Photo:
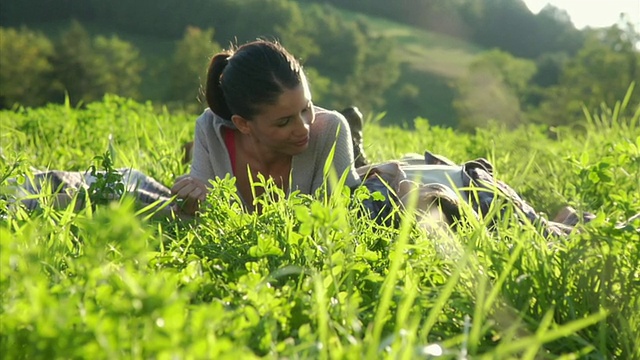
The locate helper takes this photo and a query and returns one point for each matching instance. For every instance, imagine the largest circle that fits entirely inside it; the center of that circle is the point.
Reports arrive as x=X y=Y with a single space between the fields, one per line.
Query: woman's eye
x=284 y=122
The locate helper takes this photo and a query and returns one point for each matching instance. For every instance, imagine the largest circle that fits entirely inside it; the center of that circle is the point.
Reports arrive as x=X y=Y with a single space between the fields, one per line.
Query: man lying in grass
x=442 y=188
x=96 y=187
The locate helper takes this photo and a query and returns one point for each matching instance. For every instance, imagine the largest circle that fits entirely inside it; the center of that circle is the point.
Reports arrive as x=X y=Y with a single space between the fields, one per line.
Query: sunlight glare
x=593 y=13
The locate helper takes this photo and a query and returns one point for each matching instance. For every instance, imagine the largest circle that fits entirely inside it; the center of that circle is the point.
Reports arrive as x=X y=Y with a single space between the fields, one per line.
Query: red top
x=230 y=142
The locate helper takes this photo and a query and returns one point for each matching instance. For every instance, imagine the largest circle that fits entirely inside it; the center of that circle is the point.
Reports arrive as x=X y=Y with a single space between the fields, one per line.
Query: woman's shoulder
x=328 y=115
x=328 y=119
x=208 y=117
x=210 y=121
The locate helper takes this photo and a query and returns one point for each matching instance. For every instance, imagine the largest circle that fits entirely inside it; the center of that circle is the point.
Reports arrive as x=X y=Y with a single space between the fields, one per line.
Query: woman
x=261 y=120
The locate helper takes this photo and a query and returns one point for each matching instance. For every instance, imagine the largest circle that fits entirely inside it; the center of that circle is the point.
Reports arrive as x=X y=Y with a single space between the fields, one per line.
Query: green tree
x=293 y=35
x=378 y=70
x=25 y=69
x=493 y=89
x=188 y=69
x=601 y=72
x=119 y=66
x=320 y=86
x=88 y=68
x=361 y=65
x=73 y=63
x=264 y=18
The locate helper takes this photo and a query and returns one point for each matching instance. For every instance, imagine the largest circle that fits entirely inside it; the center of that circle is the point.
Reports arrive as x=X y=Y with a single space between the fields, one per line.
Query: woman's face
x=283 y=127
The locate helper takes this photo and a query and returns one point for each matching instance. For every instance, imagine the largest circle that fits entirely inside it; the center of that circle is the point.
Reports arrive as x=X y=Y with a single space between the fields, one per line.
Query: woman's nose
x=302 y=125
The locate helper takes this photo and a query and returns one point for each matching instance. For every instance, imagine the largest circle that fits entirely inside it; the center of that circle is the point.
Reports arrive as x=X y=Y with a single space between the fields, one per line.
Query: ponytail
x=213 y=92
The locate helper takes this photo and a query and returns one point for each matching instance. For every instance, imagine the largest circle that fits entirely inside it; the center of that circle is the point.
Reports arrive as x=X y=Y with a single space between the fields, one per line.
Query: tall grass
x=311 y=277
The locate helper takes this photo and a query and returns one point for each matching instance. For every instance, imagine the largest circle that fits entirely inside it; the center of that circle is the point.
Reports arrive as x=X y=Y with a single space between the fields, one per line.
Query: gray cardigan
x=211 y=157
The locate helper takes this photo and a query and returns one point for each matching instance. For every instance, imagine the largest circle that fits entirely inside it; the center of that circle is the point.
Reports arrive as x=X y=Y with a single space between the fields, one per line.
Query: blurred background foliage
x=460 y=64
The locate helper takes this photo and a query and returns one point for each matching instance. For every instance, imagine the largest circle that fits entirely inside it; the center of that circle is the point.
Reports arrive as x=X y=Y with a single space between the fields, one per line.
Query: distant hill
x=430 y=62
x=435 y=41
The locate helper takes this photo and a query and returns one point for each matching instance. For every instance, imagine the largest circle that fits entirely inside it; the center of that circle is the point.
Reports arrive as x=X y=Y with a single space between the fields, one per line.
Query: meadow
x=310 y=277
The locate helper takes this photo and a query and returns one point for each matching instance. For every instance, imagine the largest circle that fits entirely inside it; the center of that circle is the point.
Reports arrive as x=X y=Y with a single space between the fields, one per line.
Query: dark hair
x=255 y=74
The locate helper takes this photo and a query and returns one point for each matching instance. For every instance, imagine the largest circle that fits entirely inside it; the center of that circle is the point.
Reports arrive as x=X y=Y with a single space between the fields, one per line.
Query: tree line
x=540 y=69
x=556 y=89
x=336 y=53
x=507 y=25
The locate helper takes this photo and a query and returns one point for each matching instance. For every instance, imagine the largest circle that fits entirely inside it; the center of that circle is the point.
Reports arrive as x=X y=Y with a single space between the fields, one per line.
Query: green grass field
x=307 y=278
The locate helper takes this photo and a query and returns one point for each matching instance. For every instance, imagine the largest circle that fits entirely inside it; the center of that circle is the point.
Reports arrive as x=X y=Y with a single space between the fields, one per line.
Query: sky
x=593 y=13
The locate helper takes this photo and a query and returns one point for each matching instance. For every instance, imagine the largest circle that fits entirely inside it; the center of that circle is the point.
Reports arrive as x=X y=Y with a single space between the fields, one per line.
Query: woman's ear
x=241 y=124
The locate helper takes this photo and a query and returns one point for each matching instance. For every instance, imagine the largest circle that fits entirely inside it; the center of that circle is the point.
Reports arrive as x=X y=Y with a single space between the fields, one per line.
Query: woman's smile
x=303 y=142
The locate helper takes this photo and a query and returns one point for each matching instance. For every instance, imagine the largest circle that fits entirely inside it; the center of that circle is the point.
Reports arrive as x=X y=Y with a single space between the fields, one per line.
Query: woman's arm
x=192 y=188
x=201 y=167
x=192 y=191
x=343 y=157
x=334 y=131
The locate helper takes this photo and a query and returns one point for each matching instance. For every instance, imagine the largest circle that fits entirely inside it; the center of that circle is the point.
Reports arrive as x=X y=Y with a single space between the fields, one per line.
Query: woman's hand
x=192 y=191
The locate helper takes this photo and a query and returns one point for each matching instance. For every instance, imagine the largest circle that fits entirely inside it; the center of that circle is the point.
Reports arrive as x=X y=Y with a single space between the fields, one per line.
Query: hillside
x=395 y=60
x=430 y=61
